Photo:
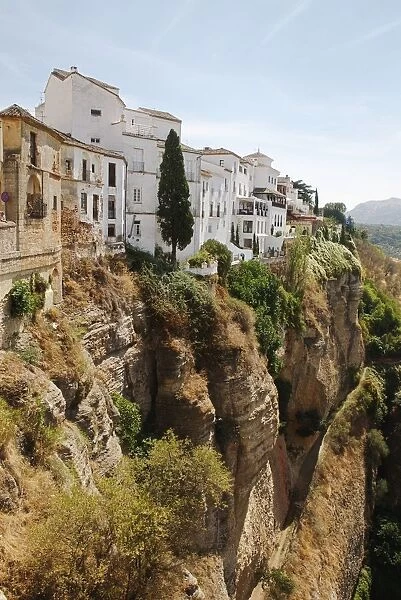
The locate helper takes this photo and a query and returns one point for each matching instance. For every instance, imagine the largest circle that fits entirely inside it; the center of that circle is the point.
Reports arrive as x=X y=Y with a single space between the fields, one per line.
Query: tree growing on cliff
x=305 y=191
x=174 y=211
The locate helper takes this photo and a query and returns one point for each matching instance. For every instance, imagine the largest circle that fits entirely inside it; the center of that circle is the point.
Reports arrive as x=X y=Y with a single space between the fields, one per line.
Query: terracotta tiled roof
x=61 y=74
x=159 y=113
x=218 y=151
x=99 y=149
x=16 y=111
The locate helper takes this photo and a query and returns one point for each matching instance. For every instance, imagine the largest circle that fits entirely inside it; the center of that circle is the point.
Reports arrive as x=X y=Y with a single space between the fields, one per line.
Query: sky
x=315 y=84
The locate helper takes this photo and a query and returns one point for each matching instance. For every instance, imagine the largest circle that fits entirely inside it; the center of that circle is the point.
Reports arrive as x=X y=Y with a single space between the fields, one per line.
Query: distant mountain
x=378 y=212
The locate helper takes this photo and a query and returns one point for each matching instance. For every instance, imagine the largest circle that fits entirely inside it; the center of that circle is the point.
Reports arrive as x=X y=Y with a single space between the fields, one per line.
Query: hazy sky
x=314 y=83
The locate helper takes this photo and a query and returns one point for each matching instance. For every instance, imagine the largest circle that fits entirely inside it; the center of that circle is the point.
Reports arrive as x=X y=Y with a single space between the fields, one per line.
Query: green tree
x=335 y=211
x=223 y=255
x=254 y=245
x=174 y=210
x=305 y=191
x=316 y=207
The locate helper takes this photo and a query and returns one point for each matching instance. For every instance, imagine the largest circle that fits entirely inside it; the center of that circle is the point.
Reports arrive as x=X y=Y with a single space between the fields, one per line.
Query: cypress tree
x=316 y=207
x=174 y=211
x=254 y=245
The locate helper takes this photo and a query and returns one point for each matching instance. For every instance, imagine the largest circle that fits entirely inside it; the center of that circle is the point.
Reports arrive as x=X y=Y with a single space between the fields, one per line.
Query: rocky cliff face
x=228 y=399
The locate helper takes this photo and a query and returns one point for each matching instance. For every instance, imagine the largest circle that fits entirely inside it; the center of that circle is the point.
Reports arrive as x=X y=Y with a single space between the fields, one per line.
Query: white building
x=227 y=191
x=93 y=185
x=93 y=112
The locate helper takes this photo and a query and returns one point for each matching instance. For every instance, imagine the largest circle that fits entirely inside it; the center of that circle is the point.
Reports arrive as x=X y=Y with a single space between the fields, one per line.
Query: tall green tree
x=174 y=210
x=316 y=207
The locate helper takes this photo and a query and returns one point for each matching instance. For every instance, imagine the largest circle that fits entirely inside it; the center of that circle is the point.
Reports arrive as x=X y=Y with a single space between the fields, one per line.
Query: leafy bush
x=380 y=317
x=331 y=260
x=223 y=255
x=22 y=300
x=201 y=257
x=181 y=303
x=279 y=584
x=110 y=545
x=130 y=423
x=253 y=283
x=38 y=439
x=182 y=478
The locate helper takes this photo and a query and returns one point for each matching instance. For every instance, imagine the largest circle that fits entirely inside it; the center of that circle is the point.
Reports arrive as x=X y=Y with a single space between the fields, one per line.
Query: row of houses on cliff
x=86 y=169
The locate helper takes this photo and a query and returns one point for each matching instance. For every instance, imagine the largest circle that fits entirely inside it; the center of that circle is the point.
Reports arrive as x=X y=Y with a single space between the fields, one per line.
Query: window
x=32 y=148
x=233 y=186
x=84 y=169
x=138 y=164
x=210 y=210
x=111 y=231
x=95 y=207
x=93 y=168
x=247 y=227
x=112 y=174
x=247 y=243
x=233 y=208
x=269 y=178
x=96 y=112
x=221 y=163
x=68 y=165
x=137 y=228
x=84 y=202
x=54 y=202
x=240 y=189
x=137 y=195
x=112 y=207
x=240 y=168
x=95 y=140
x=218 y=210
x=245 y=170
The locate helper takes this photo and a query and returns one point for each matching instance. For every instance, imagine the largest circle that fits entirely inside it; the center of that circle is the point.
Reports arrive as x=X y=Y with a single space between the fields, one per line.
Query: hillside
x=387 y=237
x=378 y=212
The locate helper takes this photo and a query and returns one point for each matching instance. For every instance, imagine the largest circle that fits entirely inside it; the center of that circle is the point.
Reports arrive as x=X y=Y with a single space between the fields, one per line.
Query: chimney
x=74 y=69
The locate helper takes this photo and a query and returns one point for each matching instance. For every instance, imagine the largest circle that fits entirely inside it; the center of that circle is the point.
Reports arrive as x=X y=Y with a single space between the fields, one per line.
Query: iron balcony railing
x=35 y=207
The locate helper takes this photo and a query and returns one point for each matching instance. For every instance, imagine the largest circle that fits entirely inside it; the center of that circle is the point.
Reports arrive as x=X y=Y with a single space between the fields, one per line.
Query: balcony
x=35 y=207
x=245 y=211
x=138 y=166
x=141 y=130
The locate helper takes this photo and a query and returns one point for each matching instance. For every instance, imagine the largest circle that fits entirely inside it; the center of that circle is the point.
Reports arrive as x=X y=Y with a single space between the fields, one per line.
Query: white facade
x=227 y=191
x=93 y=112
x=87 y=177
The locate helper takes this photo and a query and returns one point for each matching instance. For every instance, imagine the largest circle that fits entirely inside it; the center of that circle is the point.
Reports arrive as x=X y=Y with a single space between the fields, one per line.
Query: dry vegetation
x=384 y=271
x=106 y=282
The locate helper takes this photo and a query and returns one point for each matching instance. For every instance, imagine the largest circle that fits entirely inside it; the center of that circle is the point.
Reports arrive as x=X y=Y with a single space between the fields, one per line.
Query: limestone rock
x=96 y=415
x=73 y=451
x=140 y=368
x=55 y=403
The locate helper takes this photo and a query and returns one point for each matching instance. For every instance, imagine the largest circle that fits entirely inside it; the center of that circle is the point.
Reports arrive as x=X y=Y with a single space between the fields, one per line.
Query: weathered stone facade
x=30 y=236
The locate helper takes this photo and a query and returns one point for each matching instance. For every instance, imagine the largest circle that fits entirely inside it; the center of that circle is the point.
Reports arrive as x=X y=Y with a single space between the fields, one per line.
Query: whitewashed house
x=93 y=112
x=92 y=180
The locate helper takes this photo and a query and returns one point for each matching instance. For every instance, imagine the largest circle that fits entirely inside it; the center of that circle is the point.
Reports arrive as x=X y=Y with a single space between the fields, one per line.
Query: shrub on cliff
x=180 y=303
x=223 y=256
x=380 y=317
x=129 y=424
x=109 y=545
x=275 y=308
